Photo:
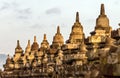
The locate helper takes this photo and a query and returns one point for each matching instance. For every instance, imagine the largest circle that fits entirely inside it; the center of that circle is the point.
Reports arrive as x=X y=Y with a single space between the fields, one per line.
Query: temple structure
x=96 y=56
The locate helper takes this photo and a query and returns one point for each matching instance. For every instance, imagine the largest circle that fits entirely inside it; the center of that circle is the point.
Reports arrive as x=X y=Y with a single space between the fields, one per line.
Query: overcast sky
x=22 y=19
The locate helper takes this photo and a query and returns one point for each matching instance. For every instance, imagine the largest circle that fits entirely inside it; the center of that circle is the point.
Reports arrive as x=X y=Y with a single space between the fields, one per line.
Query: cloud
x=8 y=5
x=116 y=2
x=4 y=6
x=16 y=10
x=24 y=13
x=53 y=11
x=36 y=26
x=22 y=17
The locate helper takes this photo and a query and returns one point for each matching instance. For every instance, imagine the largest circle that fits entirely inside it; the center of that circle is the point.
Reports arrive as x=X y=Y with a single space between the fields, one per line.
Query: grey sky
x=22 y=19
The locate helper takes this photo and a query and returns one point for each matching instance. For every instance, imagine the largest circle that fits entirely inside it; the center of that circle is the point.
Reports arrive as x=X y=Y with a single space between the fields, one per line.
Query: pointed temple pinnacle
x=18 y=45
x=35 y=39
x=8 y=56
x=77 y=17
x=58 y=29
x=102 y=11
x=28 y=43
x=45 y=38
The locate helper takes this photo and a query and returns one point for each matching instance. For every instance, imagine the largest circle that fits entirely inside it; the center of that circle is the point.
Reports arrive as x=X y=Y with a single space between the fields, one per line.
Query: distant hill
x=3 y=58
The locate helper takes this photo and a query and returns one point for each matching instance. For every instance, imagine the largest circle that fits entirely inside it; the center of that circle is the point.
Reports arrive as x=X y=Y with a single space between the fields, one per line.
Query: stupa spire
x=28 y=45
x=45 y=43
x=45 y=38
x=18 y=45
x=28 y=48
x=35 y=45
x=102 y=22
x=8 y=59
x=35 y=39
x=8 y=56
x=58 y=38
x=58 y=29
x=102 y=10
x=77 y=17
x=77 y=34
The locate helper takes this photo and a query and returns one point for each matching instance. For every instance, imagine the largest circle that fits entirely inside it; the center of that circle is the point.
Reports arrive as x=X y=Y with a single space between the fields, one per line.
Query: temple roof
x=35 y=45
x=58 y=38
x=18 y=45
x=45 y=43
